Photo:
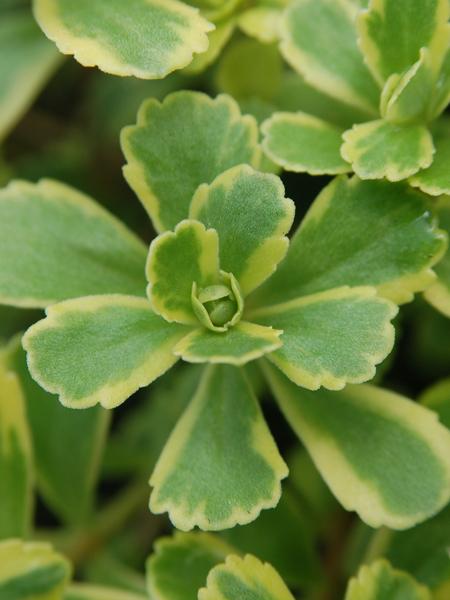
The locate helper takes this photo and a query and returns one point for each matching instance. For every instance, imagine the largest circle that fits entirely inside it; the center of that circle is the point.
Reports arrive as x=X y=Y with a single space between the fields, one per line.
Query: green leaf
x=191 y=135
x=283 y=537
x=180 y=565
x=251 y=215
x=144 y=38
x=435 y=180
x=392 y=32
x=302 y=143
x=359 y=233
x=410 y=97
x=240 y=344
x=220 y=466
x=331 y=338
x=136 y=443
x=319 y=40
x=244 y=578
x=379 y=581
x=31 y=571
x=15 y=457
x=56 y=243
x=100 y=349
x=218 y=38
x=380 y=149
x=438 y=293
x=176 y=260
x=83 y=591
x=66 y=480
x=27 y=60
x=441 y=95
x=382 y=455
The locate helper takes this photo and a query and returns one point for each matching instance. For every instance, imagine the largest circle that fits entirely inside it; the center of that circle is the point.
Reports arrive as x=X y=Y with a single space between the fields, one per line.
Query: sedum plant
x=388 y=60
x=214 y=295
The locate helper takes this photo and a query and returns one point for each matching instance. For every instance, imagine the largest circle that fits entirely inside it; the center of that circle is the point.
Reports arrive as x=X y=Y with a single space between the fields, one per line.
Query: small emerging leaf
x=240 y=344
x=331 y=338
x=191 y=135
x=380 y=149
x=180 y=565
x=244 y=578
x=176 y=260
x=15 y=457
x=381 y=454
x=319 y=40
x=379 y=581
x=201 y=478
x=100 y=349
x=302 y=143
x=31 y=571
x=56 y=244
x=251 y=215
x=143 y=38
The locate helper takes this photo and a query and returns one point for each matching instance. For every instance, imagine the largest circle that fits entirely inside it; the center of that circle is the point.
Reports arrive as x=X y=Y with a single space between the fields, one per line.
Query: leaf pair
x=389 y=62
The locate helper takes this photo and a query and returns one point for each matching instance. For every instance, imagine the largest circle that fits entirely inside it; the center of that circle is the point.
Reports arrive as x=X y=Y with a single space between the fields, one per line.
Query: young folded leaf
x=201 y=479
x=32 y=570
x=379 y=581
x=15 y=457
x=244 y=578
x=143 y=38
x=132 y=346
x=27 y=60
x=180 y=564
x=191 y=135
x=57 y=243
x=353 y=436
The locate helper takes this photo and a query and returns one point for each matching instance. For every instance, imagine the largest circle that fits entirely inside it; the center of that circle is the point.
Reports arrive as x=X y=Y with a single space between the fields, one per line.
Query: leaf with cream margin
x=331 y=338
x=392 y=32
x=262 y=22
x=176 y=260
x=220 y=466
x=27 y=61
x=100 y=349
x=237 y=346
x=408 y=96
x=252 y=217
x=379 y=581
x=143 y=38
x=438 y=293
x=381 y=149
x=302 y=143
x=319 y=39
x=382 y=455
x=435 y=180
x=189 y=134
x=66 y=480
x=15 y=457
x=244 y=577
x=56 y=243
x=31 y=571
x=359 y=233
x=180 y=564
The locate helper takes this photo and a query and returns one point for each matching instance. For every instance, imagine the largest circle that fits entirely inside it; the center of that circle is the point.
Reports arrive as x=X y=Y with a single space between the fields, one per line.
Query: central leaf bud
x=218 y=306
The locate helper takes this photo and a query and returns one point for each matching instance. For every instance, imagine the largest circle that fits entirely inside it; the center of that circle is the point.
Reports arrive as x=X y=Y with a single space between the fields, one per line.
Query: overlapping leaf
x=143 y=38
x=200 y=478
x=438 y=294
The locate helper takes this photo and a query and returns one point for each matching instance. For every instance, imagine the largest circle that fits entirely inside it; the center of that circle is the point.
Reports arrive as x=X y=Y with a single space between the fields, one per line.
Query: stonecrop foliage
x=257 y=328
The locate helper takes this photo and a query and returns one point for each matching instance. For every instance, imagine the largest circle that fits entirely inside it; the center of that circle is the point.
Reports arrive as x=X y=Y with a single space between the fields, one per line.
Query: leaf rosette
x=221 y=285
x=380 y=76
